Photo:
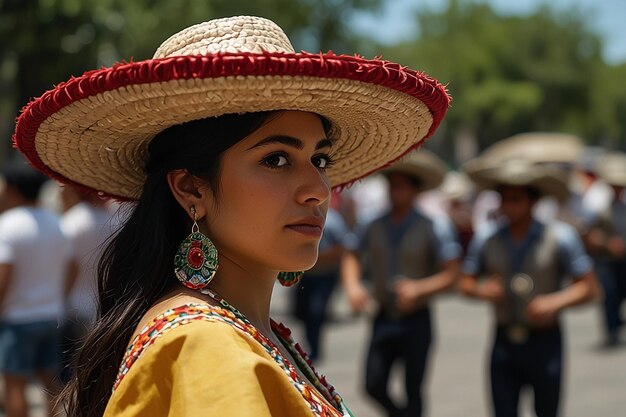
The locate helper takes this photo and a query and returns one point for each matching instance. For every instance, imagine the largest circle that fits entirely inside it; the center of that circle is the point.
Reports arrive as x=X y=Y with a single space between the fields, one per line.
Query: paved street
x=596 y=380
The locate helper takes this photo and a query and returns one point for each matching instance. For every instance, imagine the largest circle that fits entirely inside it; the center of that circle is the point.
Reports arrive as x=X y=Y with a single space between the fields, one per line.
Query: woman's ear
x=189 y=191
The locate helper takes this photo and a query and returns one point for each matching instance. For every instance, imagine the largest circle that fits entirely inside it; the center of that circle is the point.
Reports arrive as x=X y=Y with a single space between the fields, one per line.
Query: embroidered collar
x=323 y=401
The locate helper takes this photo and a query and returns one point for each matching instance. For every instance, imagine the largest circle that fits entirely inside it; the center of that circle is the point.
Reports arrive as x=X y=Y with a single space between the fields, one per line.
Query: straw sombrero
x=537 y=147
x=424 y=166
x=93 y=131
x=457 y=186
x=518 y=172
x=611 y=168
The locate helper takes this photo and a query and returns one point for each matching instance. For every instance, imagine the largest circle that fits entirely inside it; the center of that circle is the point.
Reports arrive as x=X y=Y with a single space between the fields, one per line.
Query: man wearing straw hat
x=525 y=265
x=409 y=258
x=606 y=240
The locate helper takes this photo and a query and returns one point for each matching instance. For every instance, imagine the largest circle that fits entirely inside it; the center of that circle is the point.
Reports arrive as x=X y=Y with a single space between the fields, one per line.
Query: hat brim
x=548 y=182
x=537 y=147
x=425 y=167
x=93 y=131
x=612 y=169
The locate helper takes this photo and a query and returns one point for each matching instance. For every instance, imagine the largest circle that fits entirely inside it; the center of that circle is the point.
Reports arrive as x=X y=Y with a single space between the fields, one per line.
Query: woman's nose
x=314 y=188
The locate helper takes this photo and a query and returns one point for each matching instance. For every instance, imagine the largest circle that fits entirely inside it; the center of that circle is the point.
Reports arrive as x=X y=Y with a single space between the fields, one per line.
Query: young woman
x=230 y=143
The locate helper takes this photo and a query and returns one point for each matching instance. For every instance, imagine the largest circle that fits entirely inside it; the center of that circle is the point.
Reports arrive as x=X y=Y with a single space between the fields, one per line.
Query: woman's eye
x=275 y=161
x=323 y=161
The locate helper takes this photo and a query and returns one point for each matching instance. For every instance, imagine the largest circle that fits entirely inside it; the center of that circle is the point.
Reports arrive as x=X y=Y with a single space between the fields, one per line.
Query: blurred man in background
x=34 y=256
x=525 y=265
x=606 y=240
x=408 y=258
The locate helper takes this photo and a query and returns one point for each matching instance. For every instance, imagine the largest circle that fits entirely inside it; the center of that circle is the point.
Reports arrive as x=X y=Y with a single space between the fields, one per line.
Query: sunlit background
x=511 y=67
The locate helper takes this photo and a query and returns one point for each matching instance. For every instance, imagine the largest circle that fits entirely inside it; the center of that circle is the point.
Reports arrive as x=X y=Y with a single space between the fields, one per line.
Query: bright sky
x=606 y=17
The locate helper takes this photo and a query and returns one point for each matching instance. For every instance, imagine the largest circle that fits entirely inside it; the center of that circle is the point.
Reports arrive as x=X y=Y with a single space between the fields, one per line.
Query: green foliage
x=507 y=74
x=43 y=42
x=510 y=74
x=60 y=38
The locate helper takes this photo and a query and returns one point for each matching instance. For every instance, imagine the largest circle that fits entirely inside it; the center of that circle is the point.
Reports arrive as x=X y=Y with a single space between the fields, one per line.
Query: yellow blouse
x=207 y=368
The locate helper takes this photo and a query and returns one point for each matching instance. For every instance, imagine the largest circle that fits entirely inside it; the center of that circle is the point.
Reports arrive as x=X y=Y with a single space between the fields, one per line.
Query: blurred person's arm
x=600 y=238
x=351 y=281
x=594 y=236
x=584 y=288
x=599 y=242
x=545 y=308
x=491 y=289
x=6 y=270
x=413 y=293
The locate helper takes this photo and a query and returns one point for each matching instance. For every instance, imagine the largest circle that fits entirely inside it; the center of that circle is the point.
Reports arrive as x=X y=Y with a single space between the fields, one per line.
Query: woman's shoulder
x=201 y=324
x=188 y=334
x=193 y=357
x=189 y=325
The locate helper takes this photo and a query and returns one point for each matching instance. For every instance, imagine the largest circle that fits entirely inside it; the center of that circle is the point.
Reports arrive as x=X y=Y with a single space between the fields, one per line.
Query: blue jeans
x=30 y=347
x=536 y=363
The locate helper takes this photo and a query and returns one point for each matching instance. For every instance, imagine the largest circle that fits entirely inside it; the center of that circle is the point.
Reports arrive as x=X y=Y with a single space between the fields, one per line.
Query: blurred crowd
x=51 y=238
x=534 y=225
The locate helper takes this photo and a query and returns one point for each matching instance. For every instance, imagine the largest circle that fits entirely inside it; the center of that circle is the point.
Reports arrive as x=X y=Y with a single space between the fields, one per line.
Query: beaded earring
x=288 y=279
x=195 y=262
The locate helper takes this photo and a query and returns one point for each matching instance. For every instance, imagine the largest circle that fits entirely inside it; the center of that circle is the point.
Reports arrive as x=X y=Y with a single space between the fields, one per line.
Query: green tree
x=43 y=42
x=511 y=74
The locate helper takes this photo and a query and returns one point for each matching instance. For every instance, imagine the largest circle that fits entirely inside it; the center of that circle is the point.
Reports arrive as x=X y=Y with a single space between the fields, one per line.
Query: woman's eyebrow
x=324 y=143
x=290 y=141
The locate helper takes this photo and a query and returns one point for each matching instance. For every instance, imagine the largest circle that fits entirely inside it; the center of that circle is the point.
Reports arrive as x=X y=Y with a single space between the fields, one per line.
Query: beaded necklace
x=189 y=312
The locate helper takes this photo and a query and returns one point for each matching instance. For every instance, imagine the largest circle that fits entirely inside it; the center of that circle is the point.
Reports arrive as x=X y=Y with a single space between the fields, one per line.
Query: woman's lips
x=306 y=229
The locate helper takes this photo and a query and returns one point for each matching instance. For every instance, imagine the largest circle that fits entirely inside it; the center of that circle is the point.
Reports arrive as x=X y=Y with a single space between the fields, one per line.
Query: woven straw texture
x=93 y=131
x=232 y=34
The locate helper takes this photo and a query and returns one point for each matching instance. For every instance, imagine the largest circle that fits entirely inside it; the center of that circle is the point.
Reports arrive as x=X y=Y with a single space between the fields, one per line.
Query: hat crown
x=236 y=34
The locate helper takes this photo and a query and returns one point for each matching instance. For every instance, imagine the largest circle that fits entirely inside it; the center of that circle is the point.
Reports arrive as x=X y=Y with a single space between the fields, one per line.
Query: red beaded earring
x=288 y=279
x=195 y=262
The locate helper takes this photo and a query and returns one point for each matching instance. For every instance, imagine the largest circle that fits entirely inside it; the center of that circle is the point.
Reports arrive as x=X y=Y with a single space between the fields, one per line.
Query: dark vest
x=413 y=258
x=541 y=263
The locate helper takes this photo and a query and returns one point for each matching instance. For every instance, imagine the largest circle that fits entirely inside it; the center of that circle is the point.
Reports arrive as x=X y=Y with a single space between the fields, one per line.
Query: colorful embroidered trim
x=302 y=359
x=185 y=314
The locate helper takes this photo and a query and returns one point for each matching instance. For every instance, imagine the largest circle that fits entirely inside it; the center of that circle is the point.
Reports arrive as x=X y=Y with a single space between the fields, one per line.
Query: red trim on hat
x=329 y=65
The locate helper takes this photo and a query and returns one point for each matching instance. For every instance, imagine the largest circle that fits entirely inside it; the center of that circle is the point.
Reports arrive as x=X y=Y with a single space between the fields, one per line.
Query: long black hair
x=136 y=268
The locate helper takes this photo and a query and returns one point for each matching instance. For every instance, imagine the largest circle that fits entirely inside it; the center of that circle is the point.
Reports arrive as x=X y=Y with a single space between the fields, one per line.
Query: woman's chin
x=302 y=264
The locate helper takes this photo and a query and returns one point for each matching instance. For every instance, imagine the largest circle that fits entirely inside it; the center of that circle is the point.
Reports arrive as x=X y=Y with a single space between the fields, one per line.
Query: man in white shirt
x=34 y=256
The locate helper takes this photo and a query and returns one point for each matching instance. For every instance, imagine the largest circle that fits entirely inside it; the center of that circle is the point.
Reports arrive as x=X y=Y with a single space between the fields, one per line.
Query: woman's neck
x=248 y=290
